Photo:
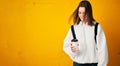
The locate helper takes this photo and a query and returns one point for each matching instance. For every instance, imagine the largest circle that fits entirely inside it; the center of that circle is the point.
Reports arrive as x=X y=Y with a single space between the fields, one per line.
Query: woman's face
x=81 y=13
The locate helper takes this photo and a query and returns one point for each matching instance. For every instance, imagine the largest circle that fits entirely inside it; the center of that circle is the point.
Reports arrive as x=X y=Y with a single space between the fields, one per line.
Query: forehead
x=81 y=9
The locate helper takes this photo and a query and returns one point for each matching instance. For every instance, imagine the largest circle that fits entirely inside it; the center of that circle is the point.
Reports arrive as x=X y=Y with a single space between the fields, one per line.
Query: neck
x=84 y=21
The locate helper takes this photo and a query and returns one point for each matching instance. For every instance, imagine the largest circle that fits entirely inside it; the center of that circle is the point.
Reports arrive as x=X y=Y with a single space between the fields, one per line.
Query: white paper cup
x=75 y=44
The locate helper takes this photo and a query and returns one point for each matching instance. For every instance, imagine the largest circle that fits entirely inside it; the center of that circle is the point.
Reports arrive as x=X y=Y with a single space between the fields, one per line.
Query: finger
x=72 y=46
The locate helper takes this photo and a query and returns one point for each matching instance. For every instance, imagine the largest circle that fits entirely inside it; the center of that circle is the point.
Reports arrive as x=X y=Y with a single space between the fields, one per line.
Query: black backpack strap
x=73 y=32
x=96 y=26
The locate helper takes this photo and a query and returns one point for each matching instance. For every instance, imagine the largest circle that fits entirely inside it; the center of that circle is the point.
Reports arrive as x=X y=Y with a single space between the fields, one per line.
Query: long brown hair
x=88 y=12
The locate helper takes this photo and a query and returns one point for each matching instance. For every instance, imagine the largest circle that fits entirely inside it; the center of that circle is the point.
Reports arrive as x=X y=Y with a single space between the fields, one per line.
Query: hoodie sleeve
x=102 y=48
x=67 y=43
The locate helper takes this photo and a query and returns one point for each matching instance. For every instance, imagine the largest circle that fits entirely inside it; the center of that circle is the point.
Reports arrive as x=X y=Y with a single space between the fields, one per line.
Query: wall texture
x=32 y=31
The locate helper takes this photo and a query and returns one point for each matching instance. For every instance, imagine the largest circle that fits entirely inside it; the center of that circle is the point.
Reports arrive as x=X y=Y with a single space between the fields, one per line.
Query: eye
x=79 y=12
x=83 y=12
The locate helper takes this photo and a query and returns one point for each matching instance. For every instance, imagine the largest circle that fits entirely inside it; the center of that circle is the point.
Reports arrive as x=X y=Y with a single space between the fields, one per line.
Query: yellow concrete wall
x=32 y=31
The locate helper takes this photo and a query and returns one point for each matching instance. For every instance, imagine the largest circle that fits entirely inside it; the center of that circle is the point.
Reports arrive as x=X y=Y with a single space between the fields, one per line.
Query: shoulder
x=74 y=25
x=99 y=25
x=100 y=29
x=95 y=22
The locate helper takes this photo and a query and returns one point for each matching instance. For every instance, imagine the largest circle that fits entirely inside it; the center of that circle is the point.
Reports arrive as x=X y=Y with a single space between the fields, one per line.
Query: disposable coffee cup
x=75 y=43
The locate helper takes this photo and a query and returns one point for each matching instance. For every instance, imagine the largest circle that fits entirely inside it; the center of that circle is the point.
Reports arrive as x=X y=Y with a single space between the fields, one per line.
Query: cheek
x=81 y=15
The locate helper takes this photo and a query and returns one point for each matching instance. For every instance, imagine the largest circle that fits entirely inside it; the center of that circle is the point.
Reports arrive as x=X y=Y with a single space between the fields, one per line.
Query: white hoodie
x=90 y=52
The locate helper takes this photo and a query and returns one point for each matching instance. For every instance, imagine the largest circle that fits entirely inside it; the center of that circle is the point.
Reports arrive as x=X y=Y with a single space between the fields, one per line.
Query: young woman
x=92 y=52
